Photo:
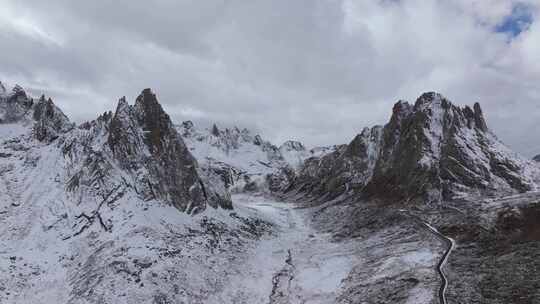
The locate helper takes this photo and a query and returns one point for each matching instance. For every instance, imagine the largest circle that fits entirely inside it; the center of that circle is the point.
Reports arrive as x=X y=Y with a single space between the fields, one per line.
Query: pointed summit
x=155 y=122
x=50 y=121
x=431 y=151
x=2 y=90
x=18 y=91
x=479 y=118
x=122 y=103
x=292 y=145
x=143 y=136
x=215 y=130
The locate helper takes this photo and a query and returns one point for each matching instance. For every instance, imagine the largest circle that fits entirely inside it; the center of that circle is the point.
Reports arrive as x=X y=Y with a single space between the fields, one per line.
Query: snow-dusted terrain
x=129 y=208
x=245 y=161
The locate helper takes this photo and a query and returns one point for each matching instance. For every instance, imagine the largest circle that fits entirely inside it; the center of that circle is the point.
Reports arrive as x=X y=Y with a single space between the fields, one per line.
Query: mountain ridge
x=431 y=150
x=131 y=208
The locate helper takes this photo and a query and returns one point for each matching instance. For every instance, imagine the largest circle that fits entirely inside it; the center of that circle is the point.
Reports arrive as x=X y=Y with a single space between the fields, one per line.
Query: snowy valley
x=133 y=208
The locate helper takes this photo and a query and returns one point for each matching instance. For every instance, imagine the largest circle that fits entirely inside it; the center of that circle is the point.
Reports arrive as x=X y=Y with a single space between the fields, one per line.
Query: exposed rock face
x=292 y=145
x=347 y=168
x=143 y=137
x=215 y=130
x=50 y=121
x=433 y=150
x=47 y=119
x=14 y=106
x=537 y=158
x=440 y=151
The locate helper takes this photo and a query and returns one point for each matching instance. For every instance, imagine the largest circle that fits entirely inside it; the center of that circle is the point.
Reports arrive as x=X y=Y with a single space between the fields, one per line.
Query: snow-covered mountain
x=118 y=209
x=98 y=213
x=243 y=160
x=432 y=150
x=434 y=172
x=130 y=208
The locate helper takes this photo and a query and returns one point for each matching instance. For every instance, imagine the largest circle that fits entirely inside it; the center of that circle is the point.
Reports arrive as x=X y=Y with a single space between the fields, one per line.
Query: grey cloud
x=318 y=71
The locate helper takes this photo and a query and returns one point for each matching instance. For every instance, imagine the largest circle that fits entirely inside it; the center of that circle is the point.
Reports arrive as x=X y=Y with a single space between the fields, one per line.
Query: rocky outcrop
x=537 y=158
x=14 y=106
x=346 y=169
x=47 y=119
x=3 y=90
x=215 y=130
x=292 y=145
x=50 y=121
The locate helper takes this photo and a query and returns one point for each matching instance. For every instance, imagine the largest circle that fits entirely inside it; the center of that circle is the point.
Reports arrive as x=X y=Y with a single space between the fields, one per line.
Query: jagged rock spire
x=215 y=130
x=143 y=137
x=479 y=117
x=257 y=140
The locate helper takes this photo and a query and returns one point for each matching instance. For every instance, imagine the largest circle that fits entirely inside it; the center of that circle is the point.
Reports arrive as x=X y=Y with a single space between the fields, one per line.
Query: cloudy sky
x=314 y=70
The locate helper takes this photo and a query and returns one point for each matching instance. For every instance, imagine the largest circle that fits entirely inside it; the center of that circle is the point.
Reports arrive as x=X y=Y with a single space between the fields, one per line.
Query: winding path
x=450 y=246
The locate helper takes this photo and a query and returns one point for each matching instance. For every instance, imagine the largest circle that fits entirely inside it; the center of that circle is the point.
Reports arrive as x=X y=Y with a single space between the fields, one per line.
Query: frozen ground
x=264 y=251
x=295 y=265
x=298 y=263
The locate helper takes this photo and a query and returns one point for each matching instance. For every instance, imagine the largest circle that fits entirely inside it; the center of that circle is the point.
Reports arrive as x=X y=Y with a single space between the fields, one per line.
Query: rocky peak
x=537 y=158
x=443 y=151
x=433 y=150
x=124 y=139
x=479 y=118
x=142 y=137
x=50 y=121
x=187 y=128
x=215 y=131
x=292 y=145
x=14 y=106
x=3 y=90
x=366 y=143
x=430 y=100
x=347 y=168
x=400 y=110
x=18 y=92
x=156 y=124
x=188 y=124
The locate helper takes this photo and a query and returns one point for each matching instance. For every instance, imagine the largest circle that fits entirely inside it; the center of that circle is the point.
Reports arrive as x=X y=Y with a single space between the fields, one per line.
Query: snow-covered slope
x=93 y=214
x=243 y=160
x=129 y=208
